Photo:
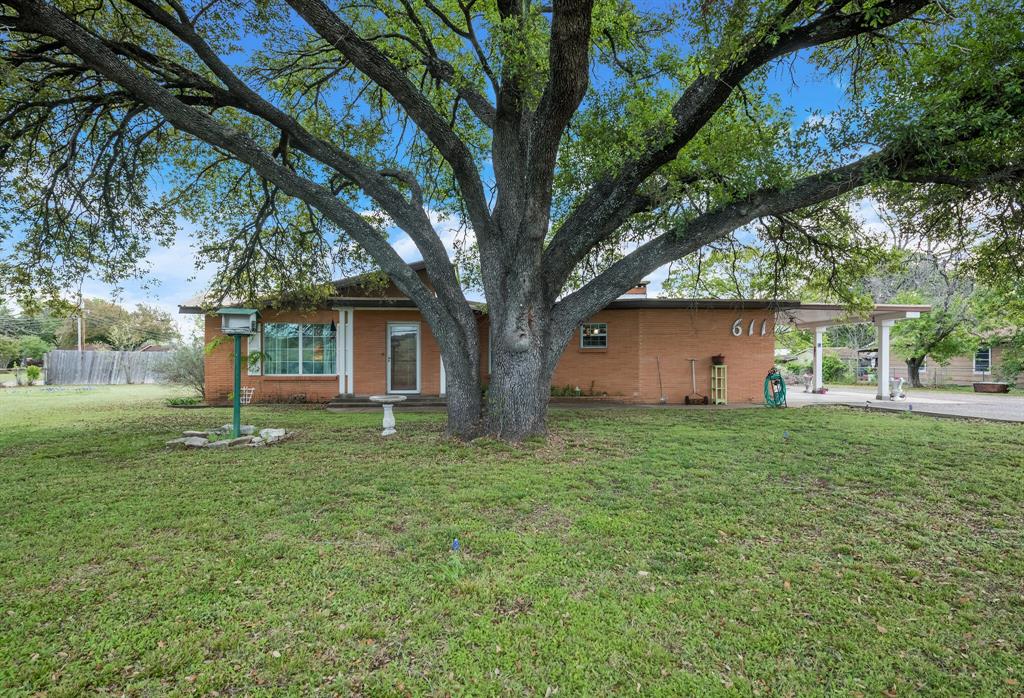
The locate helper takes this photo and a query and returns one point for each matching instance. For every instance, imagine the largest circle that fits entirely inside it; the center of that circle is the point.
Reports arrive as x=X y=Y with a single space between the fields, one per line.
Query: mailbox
x=238 y=321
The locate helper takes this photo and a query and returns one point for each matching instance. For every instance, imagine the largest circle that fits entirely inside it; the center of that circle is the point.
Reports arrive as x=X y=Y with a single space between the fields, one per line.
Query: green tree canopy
x=9 y=350
x=112 y=325
x=32 y=347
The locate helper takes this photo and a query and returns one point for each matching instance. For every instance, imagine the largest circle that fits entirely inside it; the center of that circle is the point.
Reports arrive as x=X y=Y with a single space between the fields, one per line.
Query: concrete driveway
x=939 y=403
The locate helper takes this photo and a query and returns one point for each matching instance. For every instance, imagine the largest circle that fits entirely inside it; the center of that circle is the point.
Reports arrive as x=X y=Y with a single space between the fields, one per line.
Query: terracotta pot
x=718 y=359
x=991 y=387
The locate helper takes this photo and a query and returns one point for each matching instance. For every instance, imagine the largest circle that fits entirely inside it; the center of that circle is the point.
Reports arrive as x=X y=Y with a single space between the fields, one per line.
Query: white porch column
x=819 y=340
x=344 y=350
x=883 y=358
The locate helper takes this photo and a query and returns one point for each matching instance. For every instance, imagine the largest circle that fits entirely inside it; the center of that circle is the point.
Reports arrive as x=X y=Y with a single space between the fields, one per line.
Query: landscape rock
x=272 y=435
x=214 y=438
x=244 y=429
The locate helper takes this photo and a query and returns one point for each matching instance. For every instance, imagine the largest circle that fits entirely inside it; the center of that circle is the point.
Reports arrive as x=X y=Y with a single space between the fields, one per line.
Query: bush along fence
x=69 y=367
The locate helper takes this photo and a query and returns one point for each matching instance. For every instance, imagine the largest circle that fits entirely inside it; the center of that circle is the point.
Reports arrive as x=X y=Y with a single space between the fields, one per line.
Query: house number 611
x=737 y=328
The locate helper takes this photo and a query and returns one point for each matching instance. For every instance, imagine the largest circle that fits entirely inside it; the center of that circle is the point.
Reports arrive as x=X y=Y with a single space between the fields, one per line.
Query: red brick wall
x=678 y=334
x=612 y=370
x=369 y=358
x=627 y=369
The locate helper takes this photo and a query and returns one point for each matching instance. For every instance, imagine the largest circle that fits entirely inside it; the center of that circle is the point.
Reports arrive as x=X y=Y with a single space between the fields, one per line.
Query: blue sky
x=177 y=276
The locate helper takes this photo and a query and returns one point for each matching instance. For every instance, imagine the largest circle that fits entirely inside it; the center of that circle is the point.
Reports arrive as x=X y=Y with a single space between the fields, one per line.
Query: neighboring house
x=982 y=365
x=366 y=341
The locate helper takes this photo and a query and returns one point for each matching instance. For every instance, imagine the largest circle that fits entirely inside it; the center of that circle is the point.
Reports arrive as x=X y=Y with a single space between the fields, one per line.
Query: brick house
x=369 y=340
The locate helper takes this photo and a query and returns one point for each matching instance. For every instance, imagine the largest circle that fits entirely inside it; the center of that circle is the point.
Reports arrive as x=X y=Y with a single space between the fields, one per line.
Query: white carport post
x=819 y=341
x=883 y=327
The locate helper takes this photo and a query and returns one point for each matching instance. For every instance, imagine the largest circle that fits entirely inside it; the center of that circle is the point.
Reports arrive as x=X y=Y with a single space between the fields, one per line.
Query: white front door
x=403 y=357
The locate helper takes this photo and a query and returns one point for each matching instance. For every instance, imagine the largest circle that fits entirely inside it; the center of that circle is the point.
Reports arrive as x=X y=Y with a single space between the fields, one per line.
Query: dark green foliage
x=183 y=401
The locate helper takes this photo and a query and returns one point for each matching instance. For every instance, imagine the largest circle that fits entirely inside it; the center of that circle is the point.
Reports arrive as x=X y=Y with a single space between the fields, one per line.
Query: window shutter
x=255 y=345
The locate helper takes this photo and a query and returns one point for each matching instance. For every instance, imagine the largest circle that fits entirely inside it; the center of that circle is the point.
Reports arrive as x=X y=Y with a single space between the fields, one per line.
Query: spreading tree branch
x=376 y=66
x=410 y=216
x=610 y=201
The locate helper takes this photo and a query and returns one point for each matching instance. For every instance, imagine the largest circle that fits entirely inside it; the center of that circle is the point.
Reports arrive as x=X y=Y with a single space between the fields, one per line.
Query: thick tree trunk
x=516 y=401
x=914 y=371
x=464 y=410
x=517 y=397
x=464 y=391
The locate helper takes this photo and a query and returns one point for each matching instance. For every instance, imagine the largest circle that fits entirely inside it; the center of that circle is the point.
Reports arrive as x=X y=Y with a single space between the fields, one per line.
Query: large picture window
x=594 y=335
x=292 y=349
x=983 y=360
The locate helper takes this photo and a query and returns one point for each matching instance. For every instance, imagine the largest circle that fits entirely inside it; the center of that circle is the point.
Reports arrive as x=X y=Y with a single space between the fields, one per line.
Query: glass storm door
x=403 y=358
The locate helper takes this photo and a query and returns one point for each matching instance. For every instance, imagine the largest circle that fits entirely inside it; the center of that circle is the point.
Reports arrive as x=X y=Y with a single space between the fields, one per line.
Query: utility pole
x=80 y=322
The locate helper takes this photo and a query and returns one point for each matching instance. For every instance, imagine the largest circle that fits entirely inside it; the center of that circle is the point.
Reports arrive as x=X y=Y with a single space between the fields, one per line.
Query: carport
x=820 y=316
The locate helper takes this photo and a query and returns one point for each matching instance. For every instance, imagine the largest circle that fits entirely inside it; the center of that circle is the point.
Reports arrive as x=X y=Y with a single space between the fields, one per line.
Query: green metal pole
x=237 y=417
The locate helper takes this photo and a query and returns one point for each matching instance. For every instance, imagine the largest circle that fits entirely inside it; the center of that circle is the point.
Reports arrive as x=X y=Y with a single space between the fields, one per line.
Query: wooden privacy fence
x=69 y=367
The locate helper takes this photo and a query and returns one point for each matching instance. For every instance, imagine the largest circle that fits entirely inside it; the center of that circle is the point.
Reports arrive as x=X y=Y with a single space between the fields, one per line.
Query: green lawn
x=651 y=552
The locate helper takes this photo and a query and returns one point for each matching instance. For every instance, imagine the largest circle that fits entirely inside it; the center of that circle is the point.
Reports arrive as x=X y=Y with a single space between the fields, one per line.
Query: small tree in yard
x=580 y=145
x=184 y=366
x=939 y=335
x=32 y=347
x=9 y=351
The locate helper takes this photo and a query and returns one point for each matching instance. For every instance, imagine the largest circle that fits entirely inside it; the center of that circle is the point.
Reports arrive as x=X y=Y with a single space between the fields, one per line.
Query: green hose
x=774 y=389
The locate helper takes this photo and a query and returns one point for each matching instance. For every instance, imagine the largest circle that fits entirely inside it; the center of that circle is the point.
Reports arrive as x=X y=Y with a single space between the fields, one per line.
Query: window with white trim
x=983 y=360
x=594 y=335
x=293 y=349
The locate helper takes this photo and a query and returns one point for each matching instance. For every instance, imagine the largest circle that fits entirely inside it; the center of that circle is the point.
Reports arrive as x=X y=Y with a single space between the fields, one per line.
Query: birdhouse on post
x=238 y=323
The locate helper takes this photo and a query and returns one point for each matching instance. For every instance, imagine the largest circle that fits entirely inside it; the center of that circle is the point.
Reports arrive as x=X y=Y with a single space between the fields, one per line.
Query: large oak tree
x=582 y=144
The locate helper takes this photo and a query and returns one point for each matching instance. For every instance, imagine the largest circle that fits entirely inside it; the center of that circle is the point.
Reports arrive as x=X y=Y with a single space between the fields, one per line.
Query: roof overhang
x=809 y=316
x=627 y=303
x=333 y=302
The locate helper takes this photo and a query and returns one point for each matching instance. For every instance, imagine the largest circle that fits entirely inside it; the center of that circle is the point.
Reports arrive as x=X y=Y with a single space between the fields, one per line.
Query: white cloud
x=406 y=248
